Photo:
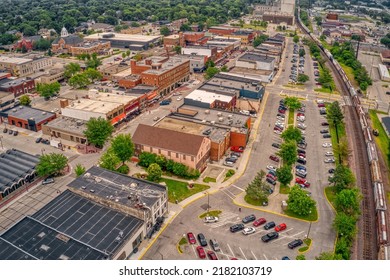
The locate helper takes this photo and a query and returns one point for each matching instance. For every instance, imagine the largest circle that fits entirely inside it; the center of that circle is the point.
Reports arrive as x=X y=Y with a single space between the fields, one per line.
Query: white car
x=327 y=145
x=302 y=125
x=271 y=167
x=329 y=154
x=210 y=219
x=179 y=98
x=329 y=160
x=277 y=131
x=280 y=118
x=248 y=230
x=176 y=93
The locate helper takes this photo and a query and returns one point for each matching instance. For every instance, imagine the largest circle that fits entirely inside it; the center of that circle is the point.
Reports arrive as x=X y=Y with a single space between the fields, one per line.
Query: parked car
x=201 y=252
x=10 y=131
x=271 y=167
x=271 y=176
x=5 y=130
x=324 y=131
x=16 y=132
x=248 y=230
x=235 y=154
x=238 y=149
x=329 y=160
x=300 y=181
x=249 y=219
x=285 y=258
x=259 y=222
x=328 y=154
x=300 y=167
x=269 y=225
x=332 y=170
x=210 y=219
x=326 y=136
x=214 y=244
x=231 y=159
x=47 y=181
x=326 y=145
x=276 y=145
x=272 y=182
x=202 y=240
x=274 y=158
x=165 y=102
x=280 y=227
x=191 y=238
x=270 y=236
x=295 y=243
x=228 y=163
x=212 y=255
x=38 y=140
x=324 y=124
x=301 y=161
x=237 y=227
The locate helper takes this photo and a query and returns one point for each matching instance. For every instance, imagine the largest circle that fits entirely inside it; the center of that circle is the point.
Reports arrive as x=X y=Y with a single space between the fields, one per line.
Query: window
x=177 y=155
x=184 y=157
x=169 y=153
x=192 y=158
x=151 y=149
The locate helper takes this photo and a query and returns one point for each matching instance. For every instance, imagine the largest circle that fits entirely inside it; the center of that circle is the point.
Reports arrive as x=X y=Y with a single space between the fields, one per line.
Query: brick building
x=27 y=117
x=174 y=40
x=23 y=43
x=18 y=86
x=195 y=38
x=222 y=30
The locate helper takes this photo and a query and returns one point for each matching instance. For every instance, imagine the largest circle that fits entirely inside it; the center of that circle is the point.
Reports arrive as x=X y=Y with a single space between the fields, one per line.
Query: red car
x=321 y=105
x=238 y=149
x=282 y=111
x=201 y=252
x=274 y=158
x=300 y=181
x=259 y=222
x=300 y=114
x=212 y=255
x=306 y=184
x=302 y=155
x=271 y=176
x=280 y=227
x=191 y=238
x=278 y=128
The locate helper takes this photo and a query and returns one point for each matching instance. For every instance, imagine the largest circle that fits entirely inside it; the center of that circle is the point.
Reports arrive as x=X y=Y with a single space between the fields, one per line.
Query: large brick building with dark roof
x=188 y=149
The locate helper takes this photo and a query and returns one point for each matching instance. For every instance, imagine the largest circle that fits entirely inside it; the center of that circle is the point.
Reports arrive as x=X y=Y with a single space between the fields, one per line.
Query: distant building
x=101 y=27
x=246 y=36
x=222 y=30
x=24 y=66
x=385 y=57
x=109 y=70
x=210 y=52
x=66 y=128
x=279 y=18
x=188 y=149
x=197 y=62
x=383 y=73
x=23 y=43
x=256 y=61
x=27 y=117
x=208 y=99
x=51 y=76
x=174 y=40
x=195 y=38
x=332 y=16
x=134 y=42
x=64 y=43
x=18 y=86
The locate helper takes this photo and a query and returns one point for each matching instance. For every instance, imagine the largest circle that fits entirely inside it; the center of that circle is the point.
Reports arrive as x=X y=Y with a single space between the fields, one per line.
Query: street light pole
x=1 y=141
x=308 y=232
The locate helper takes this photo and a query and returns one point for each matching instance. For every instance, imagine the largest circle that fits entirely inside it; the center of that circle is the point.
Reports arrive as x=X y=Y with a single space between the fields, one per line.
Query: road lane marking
x=242 y=253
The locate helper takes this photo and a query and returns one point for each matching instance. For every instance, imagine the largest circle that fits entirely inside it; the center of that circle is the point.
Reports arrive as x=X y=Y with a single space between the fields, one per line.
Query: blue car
x=300 y=167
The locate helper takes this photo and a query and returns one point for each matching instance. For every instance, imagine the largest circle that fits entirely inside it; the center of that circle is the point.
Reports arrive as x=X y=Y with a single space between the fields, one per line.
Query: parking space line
x=241 y=189
x=193 y=249
x=298 y=233
x=254 y=255
x=257 y=232
x=242 y=253
x=231 y=251
x=265 y=256
x=290 y=229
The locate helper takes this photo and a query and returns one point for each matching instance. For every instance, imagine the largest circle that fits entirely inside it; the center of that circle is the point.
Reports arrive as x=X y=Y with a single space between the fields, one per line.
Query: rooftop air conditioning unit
x=219 y=114
x=207 y=112
x=230 y=116
x=220 y=119
x=43 y=113
x=212 y=122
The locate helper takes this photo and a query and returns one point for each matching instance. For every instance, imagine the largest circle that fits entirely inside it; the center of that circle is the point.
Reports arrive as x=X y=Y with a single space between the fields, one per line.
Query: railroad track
x=366 y=240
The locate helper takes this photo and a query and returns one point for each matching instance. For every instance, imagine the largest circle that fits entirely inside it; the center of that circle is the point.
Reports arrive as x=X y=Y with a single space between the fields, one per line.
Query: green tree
x=343 y=178
x=51 y=164
x=185 y=27
x=146 y=159
x=284 y=174
x=296 y=39
x=299 y=202
x=259 y=40
x=137 y=57
x=123 y=169
x=79 y=80
x=98 y=131
x=165 y=31
x=128 y=52
x=258 y=189
x=93 y=74
x=123 y=55
x=94 y=62
x=180 y=169
x=292 y=133
x=79 y=170
x=224 y=69
x=154 y=172
x=345 y=225
x=123 y=147
x=177 y=49
x=302 y=78
x=48 y=90
x=109 y=160
x=334 y=113
x=328 y=256
x=288 y=152
x=25 y=100
x=302 y=52
x=292 y=103
x=162 y=161
x=342 y=149
x=71 y=69
x=348 y=201
x=211 y=72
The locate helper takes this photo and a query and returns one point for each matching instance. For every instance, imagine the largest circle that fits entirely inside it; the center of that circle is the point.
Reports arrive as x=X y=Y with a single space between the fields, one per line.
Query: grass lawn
x=253 y=201
x=284 y=189
x=382 y=140
x=180 y=191
x=209 y=179
x=307 y=242
x=330 y=193
x=183 y=241
x=214 y=213
x=313 y=216
x=251 y=26
x=290 y=116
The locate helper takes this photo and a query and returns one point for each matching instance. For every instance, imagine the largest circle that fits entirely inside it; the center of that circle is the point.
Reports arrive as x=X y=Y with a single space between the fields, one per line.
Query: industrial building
x=134 y=42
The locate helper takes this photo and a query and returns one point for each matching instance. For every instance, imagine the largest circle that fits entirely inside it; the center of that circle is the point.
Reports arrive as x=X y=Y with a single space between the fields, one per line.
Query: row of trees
x=148 y=159
x=345 y=54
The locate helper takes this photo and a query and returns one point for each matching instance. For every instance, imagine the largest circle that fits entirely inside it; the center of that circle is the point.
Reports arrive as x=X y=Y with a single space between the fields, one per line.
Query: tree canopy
x=154 y=172
x=25 y=100
x=258 y=189
x=123 y=147
x=292 y=133
x=288 y=152
x=48 y=90
x=98 y=131
x=284 y=174
x=299 y=202
x=51 y=164
x=109 y=160
x=292 y=103
x=342 y=178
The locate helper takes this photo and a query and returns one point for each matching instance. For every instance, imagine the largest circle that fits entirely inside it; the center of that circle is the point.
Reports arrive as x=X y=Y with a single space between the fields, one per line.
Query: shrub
x=124 y=169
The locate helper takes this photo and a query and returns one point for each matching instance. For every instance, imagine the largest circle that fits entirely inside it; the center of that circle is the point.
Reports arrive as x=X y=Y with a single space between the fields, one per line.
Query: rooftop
x=256 y=57
x=231 y=83
x=7 y=83
x=167 y=139
x=140 y=89
x=207 y=96
x=126 y=190
x=173 y=36
x=110 y=97
x=25 y=112
x=122 y=37
x=163 y=64
x=95 y=106
x=383 y=70
x=68 y=124
x=29 y=239
x=14 y=60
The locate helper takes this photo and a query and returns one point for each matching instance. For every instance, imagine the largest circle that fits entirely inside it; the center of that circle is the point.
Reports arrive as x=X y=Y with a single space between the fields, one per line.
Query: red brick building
x=195 y=38
x=17 y=86
x=222 y=30
x=27 y=44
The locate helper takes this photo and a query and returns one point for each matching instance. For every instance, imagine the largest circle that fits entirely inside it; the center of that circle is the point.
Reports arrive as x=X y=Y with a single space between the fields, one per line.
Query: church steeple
x=64 y=32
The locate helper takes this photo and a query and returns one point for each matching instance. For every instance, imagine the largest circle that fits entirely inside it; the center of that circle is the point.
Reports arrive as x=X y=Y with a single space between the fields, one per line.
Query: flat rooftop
x=123 y=73
x=207 y=96
x=185 y=125
x=25 y=113
x=167 y=65
x=129 y=191
x=383 y=71
x=90 y=105
x=206 y=116
x=29 y=239
x=68 y=124
x=110 y=97
x=14 y=60
x=7 y=83
x=234 y=82
x=101 y=228
x=256 y=57
x=122 y=37
x=140 y=89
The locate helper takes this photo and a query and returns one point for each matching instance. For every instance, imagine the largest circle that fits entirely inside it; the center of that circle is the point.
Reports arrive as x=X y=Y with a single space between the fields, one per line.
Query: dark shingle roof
x=168 y=139
x=70 y=40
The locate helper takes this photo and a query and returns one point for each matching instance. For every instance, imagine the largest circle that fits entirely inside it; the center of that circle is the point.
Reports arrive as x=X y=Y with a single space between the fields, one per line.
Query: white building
x=384 y=73
x=256 y=61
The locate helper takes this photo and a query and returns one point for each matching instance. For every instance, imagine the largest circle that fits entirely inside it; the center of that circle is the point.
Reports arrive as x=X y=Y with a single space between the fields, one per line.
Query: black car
x=280 y=115
x=5 y=130
x=322 y=112
x=300 y=151
x=237 y=227
x=10 y=131
x=272 y=182
x=38 y=140
x=276 y=145
x=301 y=161
x=295 y=243
x=281 y=102
x=326 y=136
x=324 y=124
x=269 y=225
x=249 y=219
x=324 y=131
x=16 y=133
x=331 y=170
x=202 y=240
x=270 y=236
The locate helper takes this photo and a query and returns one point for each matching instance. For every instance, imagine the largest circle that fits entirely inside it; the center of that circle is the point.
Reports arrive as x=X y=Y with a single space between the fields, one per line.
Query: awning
x=153 y=95
x=118 y=118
